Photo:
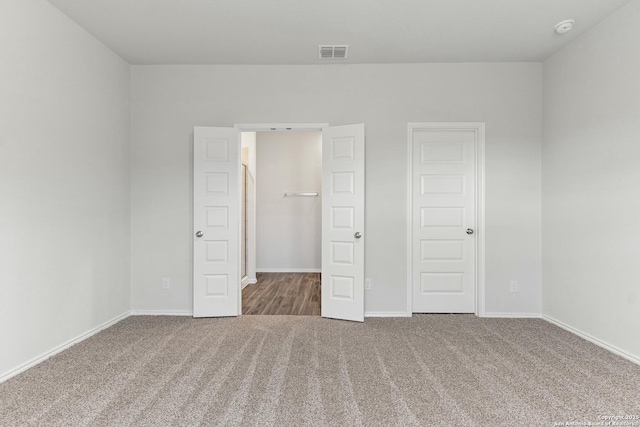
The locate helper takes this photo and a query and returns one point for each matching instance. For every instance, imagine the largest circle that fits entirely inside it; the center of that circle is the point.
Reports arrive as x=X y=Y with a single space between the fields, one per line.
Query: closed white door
x=216 y=222
x=444 y=217
x=343 y=234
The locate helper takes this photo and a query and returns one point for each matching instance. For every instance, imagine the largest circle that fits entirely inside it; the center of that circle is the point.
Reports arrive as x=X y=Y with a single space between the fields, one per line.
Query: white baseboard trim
x=387 y=314
x=161 y=313
x=246 y=281
x=288 y=270
x=46 y=355
x=513 y=315
x=613 y=349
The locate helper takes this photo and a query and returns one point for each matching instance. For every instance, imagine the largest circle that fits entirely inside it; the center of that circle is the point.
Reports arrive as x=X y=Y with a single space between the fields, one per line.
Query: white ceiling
x=288 y=31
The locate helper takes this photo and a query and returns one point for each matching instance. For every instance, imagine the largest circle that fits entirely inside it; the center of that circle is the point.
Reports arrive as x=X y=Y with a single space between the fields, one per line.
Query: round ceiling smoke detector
x=564 y=26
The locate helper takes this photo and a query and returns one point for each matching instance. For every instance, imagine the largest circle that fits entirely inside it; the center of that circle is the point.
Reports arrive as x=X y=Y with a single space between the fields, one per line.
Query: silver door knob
x=199 y=234
x=357 y=235
x=470 y=231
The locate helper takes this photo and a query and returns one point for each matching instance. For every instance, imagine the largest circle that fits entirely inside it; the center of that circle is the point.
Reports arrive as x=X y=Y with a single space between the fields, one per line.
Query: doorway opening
x=281 y=242
x=217 y=219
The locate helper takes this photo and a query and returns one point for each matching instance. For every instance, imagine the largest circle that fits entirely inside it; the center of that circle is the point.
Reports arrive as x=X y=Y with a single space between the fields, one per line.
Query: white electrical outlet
x=166 y=283
x=513 y=286
x=368 y=284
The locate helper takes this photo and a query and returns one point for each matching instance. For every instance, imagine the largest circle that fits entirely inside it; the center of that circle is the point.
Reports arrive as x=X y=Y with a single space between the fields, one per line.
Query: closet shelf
x=309 y=194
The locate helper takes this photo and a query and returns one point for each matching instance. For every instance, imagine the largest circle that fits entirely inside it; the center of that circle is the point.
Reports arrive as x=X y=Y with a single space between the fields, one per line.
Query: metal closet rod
x=300 y=194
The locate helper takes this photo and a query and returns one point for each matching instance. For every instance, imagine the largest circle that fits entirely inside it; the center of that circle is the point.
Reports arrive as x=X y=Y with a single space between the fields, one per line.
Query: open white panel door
x=216 y=222
x=343 y=222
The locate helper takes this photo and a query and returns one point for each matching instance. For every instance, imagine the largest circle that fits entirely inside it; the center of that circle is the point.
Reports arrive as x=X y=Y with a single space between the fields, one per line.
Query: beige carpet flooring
x=440 y=370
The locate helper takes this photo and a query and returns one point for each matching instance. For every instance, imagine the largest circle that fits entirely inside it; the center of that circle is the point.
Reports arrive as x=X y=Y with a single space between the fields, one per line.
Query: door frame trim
x=279 y=127
x=479 y=129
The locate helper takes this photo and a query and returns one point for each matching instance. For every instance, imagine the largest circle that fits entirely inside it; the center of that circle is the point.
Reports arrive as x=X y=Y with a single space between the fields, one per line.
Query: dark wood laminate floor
x=283 y=293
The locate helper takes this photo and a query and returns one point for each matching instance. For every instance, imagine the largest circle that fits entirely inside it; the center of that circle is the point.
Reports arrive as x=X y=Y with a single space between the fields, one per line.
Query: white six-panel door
x=444 y=217
x=343 y=222
x=216 y=222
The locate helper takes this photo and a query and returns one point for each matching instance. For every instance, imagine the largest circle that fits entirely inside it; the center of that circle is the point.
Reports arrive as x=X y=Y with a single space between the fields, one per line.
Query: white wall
x=591 y=182
x=289 y=229
x=64 y=191
x=167 y=101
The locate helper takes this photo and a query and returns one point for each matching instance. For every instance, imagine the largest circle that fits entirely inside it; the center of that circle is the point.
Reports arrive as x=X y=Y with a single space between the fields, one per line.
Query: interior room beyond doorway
x=282 y=222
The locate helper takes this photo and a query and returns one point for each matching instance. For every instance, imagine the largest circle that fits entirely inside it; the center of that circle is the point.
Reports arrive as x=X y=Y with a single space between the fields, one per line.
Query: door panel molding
x=451 y=186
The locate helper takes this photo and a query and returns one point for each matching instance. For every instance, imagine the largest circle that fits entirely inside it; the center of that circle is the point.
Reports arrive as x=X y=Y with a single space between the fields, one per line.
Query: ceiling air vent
x=333 y=51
